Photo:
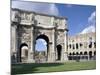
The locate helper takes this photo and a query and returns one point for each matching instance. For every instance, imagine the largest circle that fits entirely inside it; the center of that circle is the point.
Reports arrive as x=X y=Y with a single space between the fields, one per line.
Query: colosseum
x=82 y=47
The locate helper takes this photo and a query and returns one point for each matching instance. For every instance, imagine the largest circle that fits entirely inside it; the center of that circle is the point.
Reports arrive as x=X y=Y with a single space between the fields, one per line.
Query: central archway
x=42 y=55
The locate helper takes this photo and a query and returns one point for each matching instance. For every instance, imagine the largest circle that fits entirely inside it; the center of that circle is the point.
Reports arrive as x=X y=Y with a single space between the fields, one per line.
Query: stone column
x=31 y=51
x=14 y=42
x=65 y=45
x=50 y=52
x=92 y=44
x=52 y=47
x=78 y=45
x=52 y=20
x=14 y=37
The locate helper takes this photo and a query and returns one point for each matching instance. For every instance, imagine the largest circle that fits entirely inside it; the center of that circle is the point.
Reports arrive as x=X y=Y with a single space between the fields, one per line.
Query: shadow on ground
x=31 y=67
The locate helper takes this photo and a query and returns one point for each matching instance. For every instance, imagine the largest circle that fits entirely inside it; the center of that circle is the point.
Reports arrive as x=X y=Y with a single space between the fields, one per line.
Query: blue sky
x=77 y=16
x=81 y=18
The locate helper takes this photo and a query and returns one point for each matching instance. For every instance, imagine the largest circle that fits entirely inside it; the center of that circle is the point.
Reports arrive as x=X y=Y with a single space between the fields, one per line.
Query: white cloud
x=91 y=24
x=45 y=8
x=92 y=18
x=88 y=29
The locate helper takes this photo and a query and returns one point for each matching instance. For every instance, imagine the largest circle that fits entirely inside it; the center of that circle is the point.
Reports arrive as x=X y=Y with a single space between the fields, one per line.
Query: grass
x=51 y=67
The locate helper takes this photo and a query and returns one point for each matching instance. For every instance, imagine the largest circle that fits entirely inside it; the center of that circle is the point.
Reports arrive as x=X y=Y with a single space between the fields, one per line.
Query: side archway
x=23 y=52
x=59 y=49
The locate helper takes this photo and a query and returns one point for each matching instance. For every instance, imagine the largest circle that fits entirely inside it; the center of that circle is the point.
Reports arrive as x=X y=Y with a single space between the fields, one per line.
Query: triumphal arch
x=27 y=27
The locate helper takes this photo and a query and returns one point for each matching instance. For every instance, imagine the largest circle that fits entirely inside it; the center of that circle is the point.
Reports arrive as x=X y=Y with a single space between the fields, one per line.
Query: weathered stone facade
x=27 y=27
x=82 y=47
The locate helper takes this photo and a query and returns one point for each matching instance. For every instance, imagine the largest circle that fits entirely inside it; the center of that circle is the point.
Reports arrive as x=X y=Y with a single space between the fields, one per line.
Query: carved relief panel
x=60 y=37
x=24 y=34
x=43 y=20
x=27 y=18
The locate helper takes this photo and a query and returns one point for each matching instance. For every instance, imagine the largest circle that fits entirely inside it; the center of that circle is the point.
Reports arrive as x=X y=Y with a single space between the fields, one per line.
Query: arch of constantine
x=27 y=27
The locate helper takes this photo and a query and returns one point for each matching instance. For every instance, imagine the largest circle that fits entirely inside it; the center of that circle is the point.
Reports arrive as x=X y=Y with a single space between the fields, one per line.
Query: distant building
x=82 y=47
